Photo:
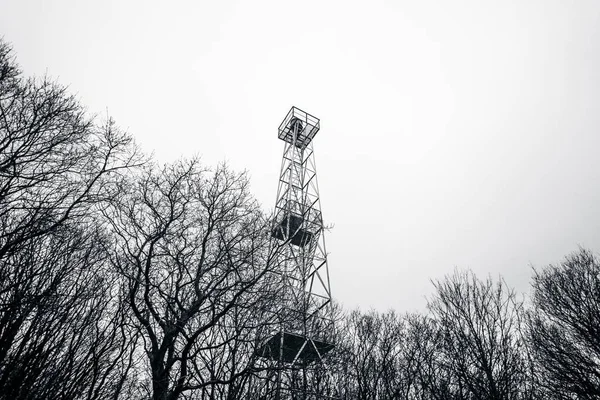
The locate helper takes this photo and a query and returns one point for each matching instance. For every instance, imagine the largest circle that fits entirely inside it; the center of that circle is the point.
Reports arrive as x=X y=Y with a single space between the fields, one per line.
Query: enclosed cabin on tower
x=291 y=348
x=299 y=224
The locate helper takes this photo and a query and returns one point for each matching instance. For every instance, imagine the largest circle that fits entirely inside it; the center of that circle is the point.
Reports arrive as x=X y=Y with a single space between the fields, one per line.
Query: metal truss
x=292 y=355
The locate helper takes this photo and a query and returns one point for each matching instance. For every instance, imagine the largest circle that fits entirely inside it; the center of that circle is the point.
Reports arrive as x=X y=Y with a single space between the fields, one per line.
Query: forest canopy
x=124 y=279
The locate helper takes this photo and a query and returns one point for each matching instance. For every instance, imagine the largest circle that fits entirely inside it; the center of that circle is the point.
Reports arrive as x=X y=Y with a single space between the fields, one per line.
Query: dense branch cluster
x=124 y=279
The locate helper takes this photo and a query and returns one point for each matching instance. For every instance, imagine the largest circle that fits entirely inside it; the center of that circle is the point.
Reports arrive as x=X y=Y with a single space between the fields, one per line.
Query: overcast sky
x=453 y=133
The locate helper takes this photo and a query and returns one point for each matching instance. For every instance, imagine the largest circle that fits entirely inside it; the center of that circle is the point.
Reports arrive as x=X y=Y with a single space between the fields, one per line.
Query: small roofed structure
x=304 y=125
x=292 y=348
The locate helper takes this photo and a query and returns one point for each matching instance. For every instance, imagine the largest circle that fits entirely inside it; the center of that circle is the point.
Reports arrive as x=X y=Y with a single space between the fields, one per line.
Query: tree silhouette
x=56 y=167
x=194 y=252
x=481 y=349
x=564 y=326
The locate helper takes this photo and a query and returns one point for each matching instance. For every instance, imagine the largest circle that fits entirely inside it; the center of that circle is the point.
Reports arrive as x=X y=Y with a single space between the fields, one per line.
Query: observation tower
x=293 y=353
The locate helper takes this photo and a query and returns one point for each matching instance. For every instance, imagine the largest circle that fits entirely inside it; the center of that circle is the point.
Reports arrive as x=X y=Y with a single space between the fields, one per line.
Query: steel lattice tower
x=304 y=329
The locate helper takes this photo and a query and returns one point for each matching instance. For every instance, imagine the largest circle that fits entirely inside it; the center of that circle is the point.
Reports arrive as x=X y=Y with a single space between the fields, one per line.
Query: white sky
x=453 y=133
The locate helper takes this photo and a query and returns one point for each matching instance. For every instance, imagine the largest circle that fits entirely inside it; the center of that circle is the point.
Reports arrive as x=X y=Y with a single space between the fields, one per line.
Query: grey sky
x=453 y=133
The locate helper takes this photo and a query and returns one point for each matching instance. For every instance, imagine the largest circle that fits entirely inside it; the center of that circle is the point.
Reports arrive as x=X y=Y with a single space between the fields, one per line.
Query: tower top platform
x=298 y=128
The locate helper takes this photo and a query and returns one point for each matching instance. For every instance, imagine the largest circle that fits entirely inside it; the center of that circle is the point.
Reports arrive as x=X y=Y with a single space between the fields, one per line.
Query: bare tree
x=374 y=342
x=379 y=356
x=432 y=379
x=481 y=350
x=193 y=248
x=564 y=326
x=56 y=166
x=62 y=330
